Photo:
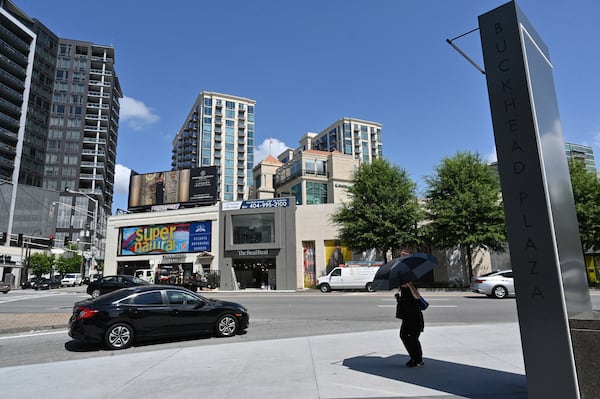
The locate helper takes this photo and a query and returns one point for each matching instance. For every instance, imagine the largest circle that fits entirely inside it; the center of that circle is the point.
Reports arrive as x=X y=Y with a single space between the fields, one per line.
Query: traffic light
x=50 y=241
x=20 y=240
x=67 y=241
x=4 y=237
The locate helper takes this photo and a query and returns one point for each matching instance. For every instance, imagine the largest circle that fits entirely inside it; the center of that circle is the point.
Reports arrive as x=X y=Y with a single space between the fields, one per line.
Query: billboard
x=168 y=238
x=196 y=185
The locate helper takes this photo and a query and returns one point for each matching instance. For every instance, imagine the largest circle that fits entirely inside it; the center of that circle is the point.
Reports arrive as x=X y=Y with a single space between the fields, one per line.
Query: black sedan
x=113 y=283
x=47 y=283
x=120 y=318
x=30 y=283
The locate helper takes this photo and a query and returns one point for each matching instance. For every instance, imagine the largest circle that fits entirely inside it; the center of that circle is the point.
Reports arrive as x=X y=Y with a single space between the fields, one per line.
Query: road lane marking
x=33 y=334
x=431 y=306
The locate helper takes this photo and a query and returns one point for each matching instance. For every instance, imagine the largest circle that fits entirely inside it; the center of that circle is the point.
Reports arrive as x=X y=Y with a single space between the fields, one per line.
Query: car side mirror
x=199 y=305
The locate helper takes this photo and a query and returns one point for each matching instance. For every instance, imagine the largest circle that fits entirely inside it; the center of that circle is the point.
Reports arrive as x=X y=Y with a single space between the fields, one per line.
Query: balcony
x=95 y=129
x=15 y=95
x=87 y=164
x=7 y=105
x=95 y=153
x=91 y=140
x=10 y=120
x=99 y=83
x=97 y=94
x=18 y=56
x=97 y=106
x=7 y=134
x=96 y=117
x=90 y=176
x=12 y=66
x=13 y=39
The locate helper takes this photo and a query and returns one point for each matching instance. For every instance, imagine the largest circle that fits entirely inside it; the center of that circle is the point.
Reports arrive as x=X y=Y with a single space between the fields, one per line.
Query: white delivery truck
x=145 y=274
x=348 y=278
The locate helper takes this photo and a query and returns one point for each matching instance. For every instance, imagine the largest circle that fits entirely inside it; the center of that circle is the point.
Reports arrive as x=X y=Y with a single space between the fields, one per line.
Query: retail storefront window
x=253 y=229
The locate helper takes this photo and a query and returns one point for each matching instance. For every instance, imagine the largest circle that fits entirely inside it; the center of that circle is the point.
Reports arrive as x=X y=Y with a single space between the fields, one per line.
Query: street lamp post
x=95 y=221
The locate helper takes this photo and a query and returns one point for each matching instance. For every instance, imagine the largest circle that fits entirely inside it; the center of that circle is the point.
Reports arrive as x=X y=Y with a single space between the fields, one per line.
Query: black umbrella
x=403 y=270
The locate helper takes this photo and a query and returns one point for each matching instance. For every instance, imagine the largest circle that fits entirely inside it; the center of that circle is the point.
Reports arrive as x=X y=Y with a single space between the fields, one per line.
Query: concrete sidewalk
x=461 y=361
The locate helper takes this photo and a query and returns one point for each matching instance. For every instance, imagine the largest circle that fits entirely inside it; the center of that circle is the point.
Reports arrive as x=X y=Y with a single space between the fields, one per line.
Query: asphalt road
x=272 y=315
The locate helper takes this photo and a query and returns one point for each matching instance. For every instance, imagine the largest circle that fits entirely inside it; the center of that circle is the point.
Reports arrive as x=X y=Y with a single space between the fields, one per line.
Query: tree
x=586 y=193
x=463 y=202
x=69 y=264
x=40 y=264
x=382 y=211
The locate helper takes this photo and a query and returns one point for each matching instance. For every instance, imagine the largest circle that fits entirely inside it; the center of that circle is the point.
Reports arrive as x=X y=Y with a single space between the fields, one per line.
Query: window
x=62 y=74
x=253 y=229
x=316 y=193
x=309 y=166
x=182 y=298
x=229 y=105
x=148 y=298
x=297 y=192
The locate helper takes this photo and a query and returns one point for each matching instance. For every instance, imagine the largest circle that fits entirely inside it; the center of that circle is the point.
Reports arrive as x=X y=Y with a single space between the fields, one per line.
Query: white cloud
x=136 y=114
x=122 y=174
x=268 y=147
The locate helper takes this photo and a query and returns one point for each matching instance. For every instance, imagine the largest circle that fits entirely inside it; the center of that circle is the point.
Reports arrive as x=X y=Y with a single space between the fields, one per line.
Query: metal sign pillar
x=543 y=233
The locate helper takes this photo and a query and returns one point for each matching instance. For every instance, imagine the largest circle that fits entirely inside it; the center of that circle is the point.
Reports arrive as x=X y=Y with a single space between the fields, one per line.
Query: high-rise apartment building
x=350 y=136
x=581 y=153
x=82 y=139
x=17 y=50
x=219 y=130
x=59 y=117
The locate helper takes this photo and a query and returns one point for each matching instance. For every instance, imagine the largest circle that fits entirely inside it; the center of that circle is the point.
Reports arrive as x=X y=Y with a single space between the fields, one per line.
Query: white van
x=71 y=280
x=347 y=278
x=145 y=274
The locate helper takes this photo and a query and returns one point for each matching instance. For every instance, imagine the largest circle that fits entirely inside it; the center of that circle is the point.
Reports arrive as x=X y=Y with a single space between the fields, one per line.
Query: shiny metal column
x=543 y=233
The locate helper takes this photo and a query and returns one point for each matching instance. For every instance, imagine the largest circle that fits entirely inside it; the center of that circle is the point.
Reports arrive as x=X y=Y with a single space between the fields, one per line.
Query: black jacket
x=409 y=310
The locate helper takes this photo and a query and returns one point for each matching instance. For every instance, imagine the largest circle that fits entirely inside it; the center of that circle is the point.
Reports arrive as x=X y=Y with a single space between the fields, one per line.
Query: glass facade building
x=581 y=153
x=59 y=118
x=219 y=130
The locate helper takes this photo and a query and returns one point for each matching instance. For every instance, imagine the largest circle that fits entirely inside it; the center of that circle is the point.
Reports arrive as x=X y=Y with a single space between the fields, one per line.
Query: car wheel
x=119 y=336
x=95 y=293
x=499 y=292
x=226 y=325
x=325 y=288
x=369 y=287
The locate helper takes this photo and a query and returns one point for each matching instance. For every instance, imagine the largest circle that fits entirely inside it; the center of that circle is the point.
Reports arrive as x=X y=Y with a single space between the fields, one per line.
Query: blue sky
x=308 y=63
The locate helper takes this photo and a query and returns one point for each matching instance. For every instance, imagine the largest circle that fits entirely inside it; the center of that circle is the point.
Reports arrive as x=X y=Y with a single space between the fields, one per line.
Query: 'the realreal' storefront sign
x=543 y=235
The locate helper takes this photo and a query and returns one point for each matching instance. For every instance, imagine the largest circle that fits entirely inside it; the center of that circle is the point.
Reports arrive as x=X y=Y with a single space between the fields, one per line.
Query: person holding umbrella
x=412 y=323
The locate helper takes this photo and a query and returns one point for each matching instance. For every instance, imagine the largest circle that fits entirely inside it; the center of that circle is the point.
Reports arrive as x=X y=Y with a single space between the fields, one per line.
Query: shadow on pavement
x=454 y=378
x=78 y=346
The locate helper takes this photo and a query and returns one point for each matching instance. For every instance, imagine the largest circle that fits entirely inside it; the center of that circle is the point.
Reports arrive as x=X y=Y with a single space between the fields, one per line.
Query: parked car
x=31 y=283
x=47 y=283
x=4 y=287
x=71 y=280
x=112 y=283
x=498 y=284
x=122 y=317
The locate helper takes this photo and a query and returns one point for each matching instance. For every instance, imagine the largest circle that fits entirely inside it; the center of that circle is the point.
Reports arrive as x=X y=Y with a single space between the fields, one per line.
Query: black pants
x=410 y=338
